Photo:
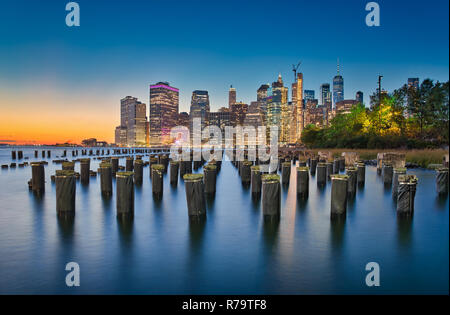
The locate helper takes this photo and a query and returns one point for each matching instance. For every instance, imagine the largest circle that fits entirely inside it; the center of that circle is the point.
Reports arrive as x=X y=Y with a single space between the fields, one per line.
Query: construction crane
x=295 y=68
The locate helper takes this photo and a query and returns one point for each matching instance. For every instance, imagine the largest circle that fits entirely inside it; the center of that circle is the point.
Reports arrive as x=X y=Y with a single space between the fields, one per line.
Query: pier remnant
x=397 y=172
x=195 y=196
x=303 y=182
x=106 y=178
x=339 y=191
x=256 y=180
x=407 y=185
x=321 y=174
x=271 y=201
x=209 y=176
x=65 y=193
x=442 y=180
x=125 y=195
x=37 y=177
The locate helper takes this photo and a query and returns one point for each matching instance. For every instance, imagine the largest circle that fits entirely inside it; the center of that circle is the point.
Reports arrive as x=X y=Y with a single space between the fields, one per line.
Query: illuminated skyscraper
x=200 y=110
x=239 y=111
x=325 y=95
x=231 y=97
x=338 y=87
x=133 y=121
x=261 y=98
x=297 y=102
x=164 y=103
x=309 y=95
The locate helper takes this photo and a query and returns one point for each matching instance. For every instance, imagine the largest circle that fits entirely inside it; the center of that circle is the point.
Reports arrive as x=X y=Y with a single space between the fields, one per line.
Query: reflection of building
x=359 y=97
x=338 y=87
x=231 y=96
x=163 y=112
x=133 y=121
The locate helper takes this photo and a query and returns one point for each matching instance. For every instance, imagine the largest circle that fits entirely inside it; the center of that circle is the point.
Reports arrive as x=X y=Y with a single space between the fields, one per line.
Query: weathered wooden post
x=209 y=176
x=125 y=195
x=138 y=171
x=129 y=164
x=174 y=166
x=342 y=164
x=246 y=172
x=106 y=178
x=336 y=166
x=388 y=171
x=406 y=193
x=65 y=193
x=256 y=180
x=397 y=172
x=352 y=174
x=285 y=173
x=195 y=196
x=164 y=160
x=379 y=163
x=68 y=166
x=157 y=171
x=313 y=166
x=37 y=177
x=13 y=155
x=303 y=182
x=321 y=174
x=85 y=167
x=339 y=190
x=361 y=176
x=115 y=165
x=49 y=154
x=271 y=203
x=442 y=180
x=330 y=172
x=36 y=154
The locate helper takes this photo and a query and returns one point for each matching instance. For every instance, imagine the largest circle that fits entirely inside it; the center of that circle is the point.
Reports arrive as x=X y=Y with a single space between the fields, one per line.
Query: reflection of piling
x=106 y=178
x=361 y=175
x=388 y=171
x=157 y=171
x=115 y=165
x=85 y=166
x=397 y=172
x=210 y=174
x=37 y=177
x=65 y=193
x=271 y=202
x=138 y=171
x=174 y=166
x=339 y=188
x=68 y=166
x=125 y=194
x=285 y=173
x=405 y=196
x=129 y=164
x=330 y=172
x=442 y=181
x=321 y=174
x=195 y=196
x=303 y=182
x=352 y=174
x=256 y=180
x=246 y=172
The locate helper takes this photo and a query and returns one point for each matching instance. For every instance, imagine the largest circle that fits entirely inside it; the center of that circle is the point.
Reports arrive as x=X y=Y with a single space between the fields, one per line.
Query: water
x=233 y=252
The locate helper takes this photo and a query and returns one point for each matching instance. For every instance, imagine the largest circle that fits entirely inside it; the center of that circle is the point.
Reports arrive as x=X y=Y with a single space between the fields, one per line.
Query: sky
x=60 y=83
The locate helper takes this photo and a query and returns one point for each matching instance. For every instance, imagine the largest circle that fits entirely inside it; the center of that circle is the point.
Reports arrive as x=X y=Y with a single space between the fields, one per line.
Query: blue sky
x=123 y=46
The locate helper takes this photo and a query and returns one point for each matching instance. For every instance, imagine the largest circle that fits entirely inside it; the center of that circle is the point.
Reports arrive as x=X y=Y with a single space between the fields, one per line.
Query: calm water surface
x=233 y=252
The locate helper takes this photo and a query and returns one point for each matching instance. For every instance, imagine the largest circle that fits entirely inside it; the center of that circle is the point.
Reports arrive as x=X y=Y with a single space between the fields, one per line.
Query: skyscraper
x=325 y=95
x=239 y=111
x=231 y=97
x=359 y=97
x=338 y=87
x=133 y=121
x=297 y=102
x=200 y=110
x=261 y=97
x=309 y=95
x=164 y=103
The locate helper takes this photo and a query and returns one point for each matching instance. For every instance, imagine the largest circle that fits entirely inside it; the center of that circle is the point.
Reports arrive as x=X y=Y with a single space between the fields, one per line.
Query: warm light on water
x=233 y=252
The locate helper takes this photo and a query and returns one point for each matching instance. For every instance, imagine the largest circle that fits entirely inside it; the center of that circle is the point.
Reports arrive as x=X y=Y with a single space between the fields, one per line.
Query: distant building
x=345 y=106
x=231 y=97
x=309 y=95
x=239 y=111
x=133 y=122
x=183 y=119
x=297 y=122
x=91 y=142
x=262 y=98
x=253 y=117
x=338 y=87
x=164 y=103
x=222 y=119
x=325 y=95
x=199 y=110
x=359 y=97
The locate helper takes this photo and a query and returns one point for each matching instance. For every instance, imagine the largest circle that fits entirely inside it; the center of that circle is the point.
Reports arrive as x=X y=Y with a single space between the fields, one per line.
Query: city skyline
x=68 y=87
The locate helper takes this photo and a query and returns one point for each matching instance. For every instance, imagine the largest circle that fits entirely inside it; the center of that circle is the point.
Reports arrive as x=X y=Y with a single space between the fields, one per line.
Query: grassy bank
x=423 y=158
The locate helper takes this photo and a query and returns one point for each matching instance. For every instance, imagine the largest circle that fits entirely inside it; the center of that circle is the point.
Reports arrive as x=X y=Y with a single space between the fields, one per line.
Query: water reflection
x=337 y=233
x=404 y=235
x=441 y=202
x=66 y=225
x=270 y=232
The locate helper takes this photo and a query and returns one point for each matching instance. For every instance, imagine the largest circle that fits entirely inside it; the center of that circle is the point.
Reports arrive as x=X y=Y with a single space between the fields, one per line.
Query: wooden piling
x=125 y=194
x=339 y=191
x=271 y=200
x=65 y=193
